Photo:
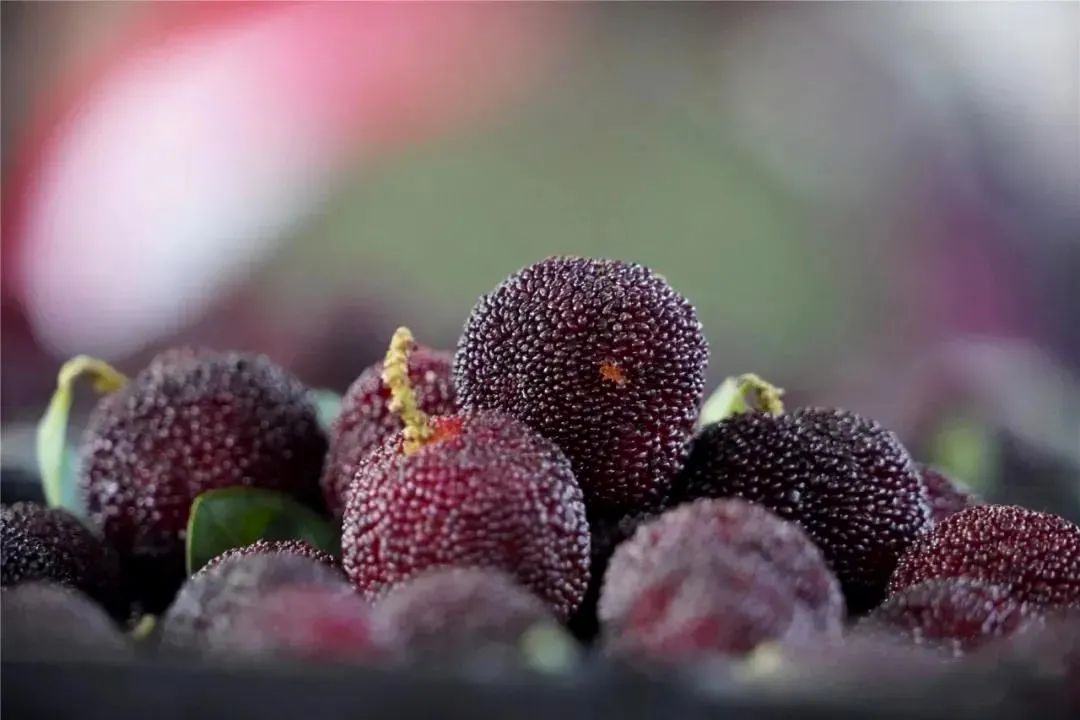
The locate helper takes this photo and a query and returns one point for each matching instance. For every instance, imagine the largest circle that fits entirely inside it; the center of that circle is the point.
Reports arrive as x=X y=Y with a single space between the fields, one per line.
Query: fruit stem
x=768 y=395
x=395 y=375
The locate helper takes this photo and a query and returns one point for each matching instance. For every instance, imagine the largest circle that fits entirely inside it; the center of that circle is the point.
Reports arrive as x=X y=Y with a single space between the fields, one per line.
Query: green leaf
x=965 y=449
x=327 y=406
x=57 y=463
x=726 y=400
x=238 y=516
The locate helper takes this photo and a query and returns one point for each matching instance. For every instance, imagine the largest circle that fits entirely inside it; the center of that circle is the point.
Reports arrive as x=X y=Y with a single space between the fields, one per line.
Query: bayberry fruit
x=846 y=480
x=194 y=420
x=366 y=419
x=955 y=614
x=943 y=495
x=297 y=548
x=211 y=601
x=51 y=545
x=600 y=356
x=1034 y=555
x=46 y=621
x=450 y=611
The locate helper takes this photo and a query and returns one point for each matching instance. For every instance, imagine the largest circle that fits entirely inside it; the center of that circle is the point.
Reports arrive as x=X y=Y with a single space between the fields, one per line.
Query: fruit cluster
x=550 y=474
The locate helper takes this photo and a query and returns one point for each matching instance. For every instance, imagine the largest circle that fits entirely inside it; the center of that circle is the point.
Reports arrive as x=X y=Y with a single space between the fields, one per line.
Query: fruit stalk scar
x=395 y=375
x=768 y=395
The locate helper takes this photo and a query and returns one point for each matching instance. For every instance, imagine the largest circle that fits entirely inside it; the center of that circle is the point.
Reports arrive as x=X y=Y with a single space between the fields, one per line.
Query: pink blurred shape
x=182 y=164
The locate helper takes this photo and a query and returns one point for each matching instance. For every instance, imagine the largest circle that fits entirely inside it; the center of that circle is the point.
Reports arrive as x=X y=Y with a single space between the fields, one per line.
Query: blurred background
x=874 y=205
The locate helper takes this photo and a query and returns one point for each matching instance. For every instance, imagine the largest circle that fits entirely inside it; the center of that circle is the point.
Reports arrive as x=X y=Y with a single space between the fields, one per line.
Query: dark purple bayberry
x=366 y=420
x=473 y=489
x=51 y=545
x=1034 y=555
x=452 y=611
x=955 y=614
x=192 y=421
x=845 y=480
x=600 y=356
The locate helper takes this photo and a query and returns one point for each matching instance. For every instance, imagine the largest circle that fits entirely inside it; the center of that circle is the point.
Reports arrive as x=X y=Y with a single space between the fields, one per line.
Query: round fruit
x=50 y=544
x=297 y=548
x=600 y=356
x=49 y=622
x=1034 y=555
x=210 y=602
x=845 y=480
x=194 y=420
x=366 y=419
x=483 y=490
x=956 y=614
x=451 y=611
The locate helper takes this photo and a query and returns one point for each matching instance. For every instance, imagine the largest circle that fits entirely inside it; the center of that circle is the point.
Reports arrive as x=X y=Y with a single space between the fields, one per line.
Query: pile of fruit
x=551 y=493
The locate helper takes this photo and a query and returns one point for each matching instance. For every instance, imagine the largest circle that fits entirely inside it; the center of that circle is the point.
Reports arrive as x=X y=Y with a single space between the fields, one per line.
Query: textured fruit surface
x=194 y=420
x=312 y=623
x=943 y=495
x=209 y=603
x=1035 y=555
x=455 y=610
x=298 y=548
x=715 y=577
x=488 y=492
x=51 y=545
x=956 y=614
x=45 y=621
x=366 y=421
x=600 y=356
x=846 y=480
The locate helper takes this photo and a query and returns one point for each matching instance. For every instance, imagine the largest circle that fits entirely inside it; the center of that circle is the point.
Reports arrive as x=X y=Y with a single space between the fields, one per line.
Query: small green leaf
x=548 y=648
x=57 y=463
x=726 y=400
x=327 y=405
x=964 y=448
x=238 y=516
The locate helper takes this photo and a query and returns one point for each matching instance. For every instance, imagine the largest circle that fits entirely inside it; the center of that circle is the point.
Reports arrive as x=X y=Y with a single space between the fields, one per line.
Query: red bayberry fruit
x=210 y=601
x=602 y=357
x=943 y=495
x=298 y=548
x=313 y=623
x=484 y=491
x=194 y=420
x=456 y=610
x=716 y=577
x=956 y=614
x=366 y=419
x=50 y=544
x=46 y=621
x=846 y=480
x=1035 y=555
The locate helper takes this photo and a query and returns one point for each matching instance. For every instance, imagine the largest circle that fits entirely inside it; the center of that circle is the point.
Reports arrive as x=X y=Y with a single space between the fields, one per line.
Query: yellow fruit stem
x=395 y=375
x=768 y=395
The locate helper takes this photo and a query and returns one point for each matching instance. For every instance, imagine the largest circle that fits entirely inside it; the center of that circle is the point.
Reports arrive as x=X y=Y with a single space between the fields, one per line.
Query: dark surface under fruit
x=194 y=420
x=600 y=356
x=1035 y=555
x=846 y=480
x=366 y=421
x=489 y=492
x=50 y=544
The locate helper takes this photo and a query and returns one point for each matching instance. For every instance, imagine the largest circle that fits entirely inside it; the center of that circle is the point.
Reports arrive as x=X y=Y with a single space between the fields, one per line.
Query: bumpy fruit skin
x=1035 y=555
x=846 y=480
x=956 y=614
x=46 y=621
x=311 y=623
x=943 y=495
x=192 y=421
x=366 y=421
x=487 y=492
x=298 y=548
x=450 y=611
x=716 y=577
x=210 y=602
x=51 y=545
x=600 y=356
